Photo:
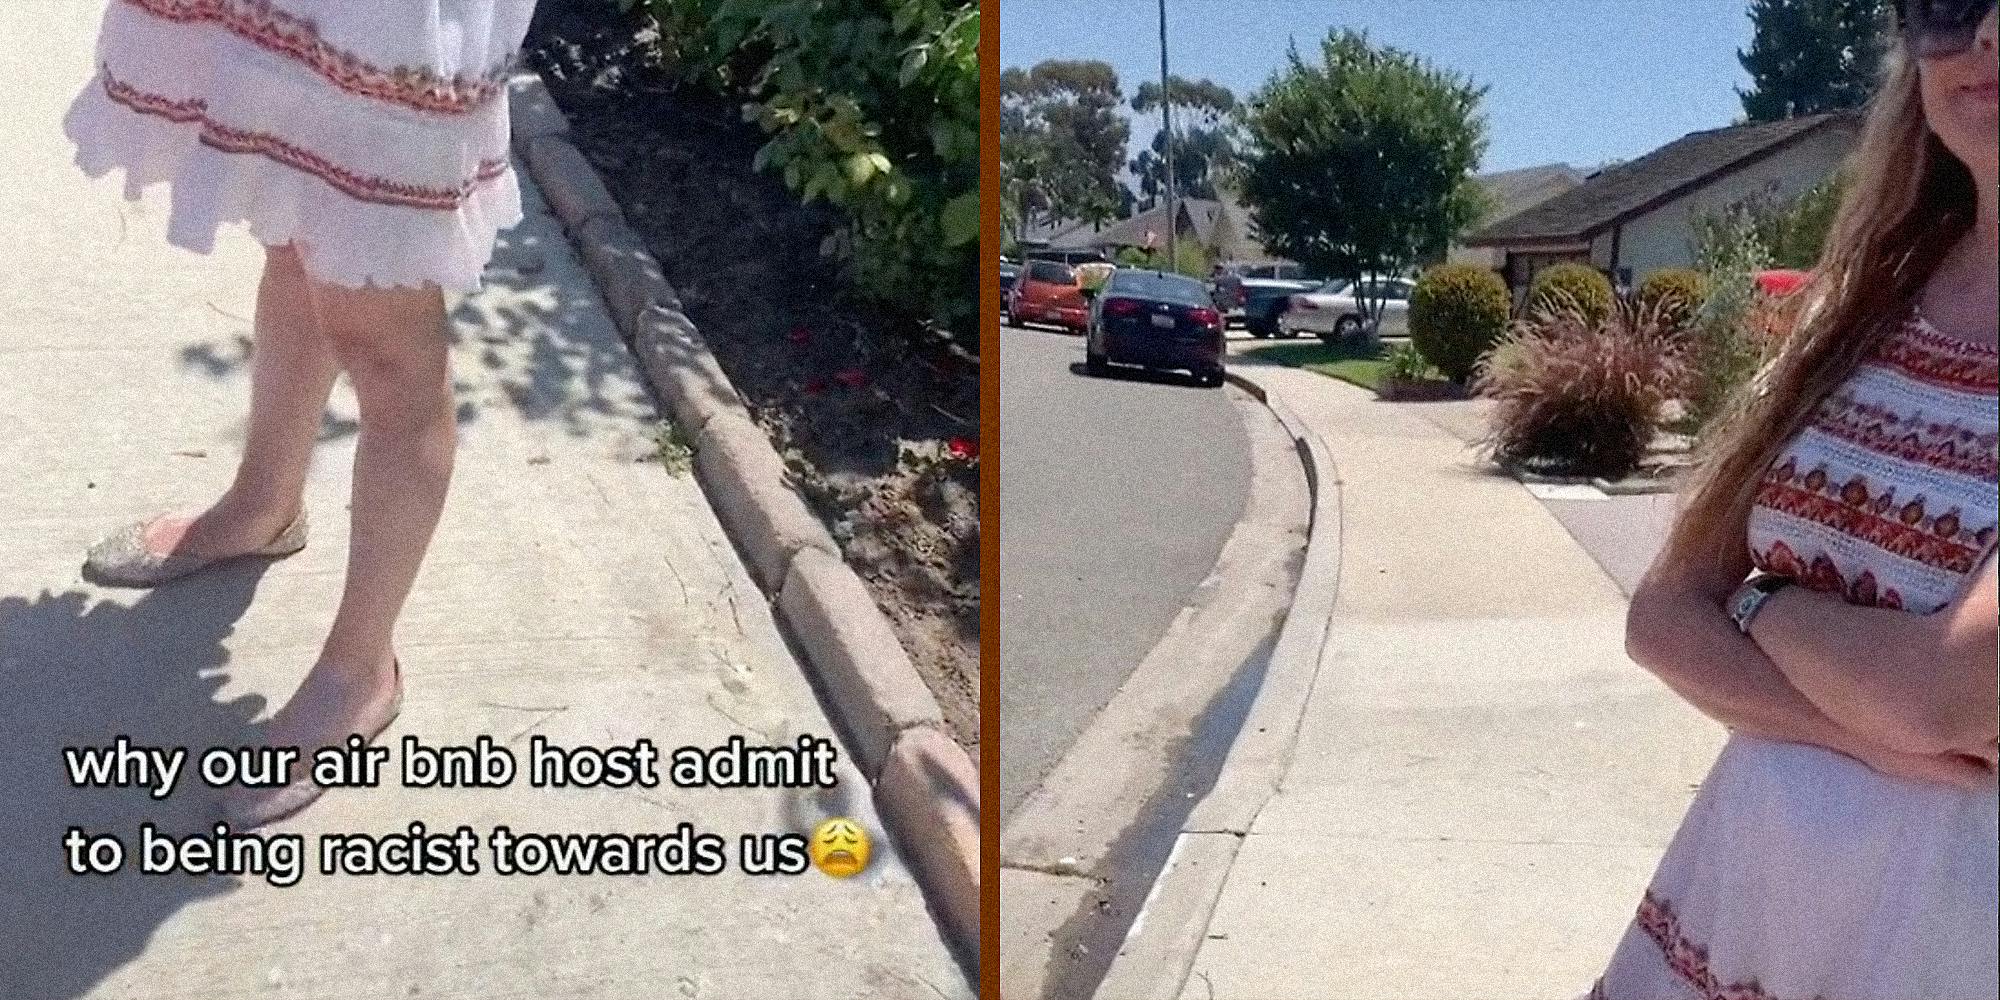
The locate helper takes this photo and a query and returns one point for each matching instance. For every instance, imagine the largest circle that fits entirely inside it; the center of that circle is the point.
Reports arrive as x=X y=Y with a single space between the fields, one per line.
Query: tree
x=1201 y=156
x=1361 y=163
x=1203 y=145
x=1811 y=56
x=1062 y=141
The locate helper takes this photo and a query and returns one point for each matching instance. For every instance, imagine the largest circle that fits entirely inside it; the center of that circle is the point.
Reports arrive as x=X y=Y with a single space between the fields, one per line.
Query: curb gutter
x=925 y=786
x=1154 y=960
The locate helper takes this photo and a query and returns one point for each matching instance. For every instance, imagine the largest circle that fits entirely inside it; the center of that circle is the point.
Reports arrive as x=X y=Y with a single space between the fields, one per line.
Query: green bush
x=1134 y=257
x=1563 y=284
x=1729 y=251
x=1191 y=259
x=872 y=105
x=1405 y=361
x=1457 y=313
x=1677 y=292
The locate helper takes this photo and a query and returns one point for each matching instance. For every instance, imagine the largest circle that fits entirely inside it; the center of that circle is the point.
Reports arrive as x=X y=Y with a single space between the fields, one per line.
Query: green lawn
x=1360 y=364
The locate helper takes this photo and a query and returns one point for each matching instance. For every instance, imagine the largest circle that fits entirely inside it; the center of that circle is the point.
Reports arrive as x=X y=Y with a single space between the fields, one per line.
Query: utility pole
x=1167 y=129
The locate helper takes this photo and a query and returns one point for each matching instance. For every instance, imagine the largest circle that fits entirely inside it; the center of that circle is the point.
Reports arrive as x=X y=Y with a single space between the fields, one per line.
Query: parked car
x=1263 y=300
x=1091 y=276
x=1155 y=320
x=1781 y=281
x=1047 y=292
x=1008 y=272
x=1333 y=313
x=1069 y=257
x=1241 y=291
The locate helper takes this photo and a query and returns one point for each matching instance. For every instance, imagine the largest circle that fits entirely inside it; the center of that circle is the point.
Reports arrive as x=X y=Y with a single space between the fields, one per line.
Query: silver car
x=1333 y=313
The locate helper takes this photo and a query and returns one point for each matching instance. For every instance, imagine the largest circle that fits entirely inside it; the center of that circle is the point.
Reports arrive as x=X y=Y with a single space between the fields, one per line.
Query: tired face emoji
x=840 y=847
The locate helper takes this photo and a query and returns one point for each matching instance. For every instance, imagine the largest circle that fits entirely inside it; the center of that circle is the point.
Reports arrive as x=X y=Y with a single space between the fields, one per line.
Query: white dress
x=371 y=134
x=1798 y=873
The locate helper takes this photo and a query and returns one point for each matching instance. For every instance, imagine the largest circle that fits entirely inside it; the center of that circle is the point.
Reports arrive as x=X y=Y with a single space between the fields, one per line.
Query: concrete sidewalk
x=1482 y=782
x=576 y=591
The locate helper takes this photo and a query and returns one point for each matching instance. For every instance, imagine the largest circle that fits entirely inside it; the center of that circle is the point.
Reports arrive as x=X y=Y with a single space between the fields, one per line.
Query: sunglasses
x=1939 y=28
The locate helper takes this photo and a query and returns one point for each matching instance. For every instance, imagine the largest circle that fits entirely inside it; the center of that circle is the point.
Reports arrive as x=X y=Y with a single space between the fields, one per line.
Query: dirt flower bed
x=877 y=424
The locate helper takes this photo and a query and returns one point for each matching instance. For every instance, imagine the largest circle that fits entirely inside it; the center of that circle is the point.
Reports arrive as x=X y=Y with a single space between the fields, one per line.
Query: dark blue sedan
x=1155 y=320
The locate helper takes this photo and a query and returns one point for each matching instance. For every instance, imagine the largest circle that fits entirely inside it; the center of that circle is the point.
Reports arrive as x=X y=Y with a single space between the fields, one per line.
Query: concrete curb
x=1154 y=960
x=925 y=786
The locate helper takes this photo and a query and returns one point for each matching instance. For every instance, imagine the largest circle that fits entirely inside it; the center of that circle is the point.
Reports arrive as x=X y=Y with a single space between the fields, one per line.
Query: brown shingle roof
x=1625 y=190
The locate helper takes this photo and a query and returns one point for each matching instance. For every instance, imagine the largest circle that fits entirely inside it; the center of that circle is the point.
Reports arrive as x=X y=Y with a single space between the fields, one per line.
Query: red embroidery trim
x=275 y=30
x=361 y=187
x=1945 y=446
x=1687 y=959
x=1928 y=356
x=1941 y=542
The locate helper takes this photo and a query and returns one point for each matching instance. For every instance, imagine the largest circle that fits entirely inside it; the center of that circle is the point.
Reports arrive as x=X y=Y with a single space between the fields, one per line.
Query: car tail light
x=1206 y=317
x=1241 y=295
x=1120 y=307
x=1301 y=302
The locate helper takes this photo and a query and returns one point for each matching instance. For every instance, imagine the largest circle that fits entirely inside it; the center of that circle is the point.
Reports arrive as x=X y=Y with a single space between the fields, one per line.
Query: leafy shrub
x=872 y=105
x=1577 y=395
x=1190 y=259
x=1728 y=347
x=1578 y=285
x=1679 y=291
x=1405 y=361
x=1457 y=313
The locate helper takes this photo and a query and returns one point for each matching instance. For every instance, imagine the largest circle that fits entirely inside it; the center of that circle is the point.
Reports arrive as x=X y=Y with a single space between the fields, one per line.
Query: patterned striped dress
x=372 y=134
x=1798 y=873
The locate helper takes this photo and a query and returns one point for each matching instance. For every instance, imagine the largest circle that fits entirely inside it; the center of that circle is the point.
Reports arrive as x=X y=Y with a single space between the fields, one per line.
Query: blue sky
x=1574 y=81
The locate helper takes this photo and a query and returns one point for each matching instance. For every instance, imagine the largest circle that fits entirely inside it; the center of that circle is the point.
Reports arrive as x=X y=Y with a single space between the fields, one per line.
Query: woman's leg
x=393 y=345
x=291 y=374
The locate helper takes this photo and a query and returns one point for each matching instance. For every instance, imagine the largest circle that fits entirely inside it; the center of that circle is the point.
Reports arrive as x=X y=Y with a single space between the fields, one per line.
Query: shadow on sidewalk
x=77 y=673
x=547 y=345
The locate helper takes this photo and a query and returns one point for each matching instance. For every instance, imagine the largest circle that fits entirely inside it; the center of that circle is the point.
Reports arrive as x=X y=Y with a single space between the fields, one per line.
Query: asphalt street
x=1117 y=495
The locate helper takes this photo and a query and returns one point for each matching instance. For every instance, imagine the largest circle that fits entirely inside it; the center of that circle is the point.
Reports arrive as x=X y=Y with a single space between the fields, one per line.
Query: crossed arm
x=1843 y=698
x=1917 y=683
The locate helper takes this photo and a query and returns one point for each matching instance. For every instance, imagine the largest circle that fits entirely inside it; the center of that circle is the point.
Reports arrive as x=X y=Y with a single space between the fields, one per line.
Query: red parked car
x=1048 y=292
x=1781 y=281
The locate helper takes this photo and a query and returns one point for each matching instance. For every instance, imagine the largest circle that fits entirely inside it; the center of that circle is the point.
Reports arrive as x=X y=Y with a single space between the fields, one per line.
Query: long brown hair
x=1909 y=201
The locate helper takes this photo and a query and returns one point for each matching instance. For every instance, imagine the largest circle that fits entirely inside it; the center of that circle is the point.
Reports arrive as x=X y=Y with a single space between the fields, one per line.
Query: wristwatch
x=1750 y=597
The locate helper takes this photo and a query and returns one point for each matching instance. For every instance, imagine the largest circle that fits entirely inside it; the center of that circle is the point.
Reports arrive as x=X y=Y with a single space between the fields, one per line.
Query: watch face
x=1745 y=604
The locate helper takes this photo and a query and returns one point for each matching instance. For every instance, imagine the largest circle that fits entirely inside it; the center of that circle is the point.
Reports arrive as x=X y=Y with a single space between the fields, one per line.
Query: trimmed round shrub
x=1677 y=292
x=1571 y=285
x=1457 y=313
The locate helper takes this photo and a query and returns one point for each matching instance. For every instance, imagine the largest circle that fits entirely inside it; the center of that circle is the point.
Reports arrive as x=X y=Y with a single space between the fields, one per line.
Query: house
x=1639 y=216
x=1508 y=194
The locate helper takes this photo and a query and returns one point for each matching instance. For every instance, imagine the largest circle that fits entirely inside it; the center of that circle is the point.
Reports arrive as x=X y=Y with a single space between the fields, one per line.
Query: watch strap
x=1750 y=597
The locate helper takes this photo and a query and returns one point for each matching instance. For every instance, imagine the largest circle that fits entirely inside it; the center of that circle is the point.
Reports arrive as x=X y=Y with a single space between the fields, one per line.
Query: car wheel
x=1096 y=364
x=1349 y=328
x=1258 y=330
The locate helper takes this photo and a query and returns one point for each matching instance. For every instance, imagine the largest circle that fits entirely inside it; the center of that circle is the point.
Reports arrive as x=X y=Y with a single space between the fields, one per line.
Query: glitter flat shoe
x=121 y=559
x=250 y=808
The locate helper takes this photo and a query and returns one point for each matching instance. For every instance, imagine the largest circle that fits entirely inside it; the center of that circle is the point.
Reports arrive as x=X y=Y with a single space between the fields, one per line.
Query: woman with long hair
x=365 y=145
x=1829 y=593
